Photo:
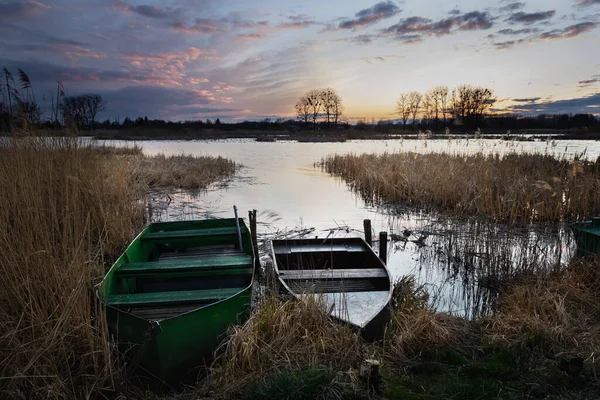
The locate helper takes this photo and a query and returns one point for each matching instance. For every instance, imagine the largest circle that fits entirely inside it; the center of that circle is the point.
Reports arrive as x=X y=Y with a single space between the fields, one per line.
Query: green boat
x=587 y=237
x=179 y=286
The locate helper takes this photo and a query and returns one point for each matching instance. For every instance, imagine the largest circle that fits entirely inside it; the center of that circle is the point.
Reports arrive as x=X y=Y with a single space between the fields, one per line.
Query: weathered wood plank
x=173 y=298
x=179 y=265
x=192 y=233
x=316 y=248
x=319 y=274
x=332 y=286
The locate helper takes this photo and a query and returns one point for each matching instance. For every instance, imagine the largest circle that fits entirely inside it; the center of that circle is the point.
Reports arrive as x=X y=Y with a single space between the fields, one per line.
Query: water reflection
x=458 y=261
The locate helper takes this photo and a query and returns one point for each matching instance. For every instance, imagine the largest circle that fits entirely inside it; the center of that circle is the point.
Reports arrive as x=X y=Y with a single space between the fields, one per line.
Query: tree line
x=324 y=104
x=465 y=105
x=19 y=108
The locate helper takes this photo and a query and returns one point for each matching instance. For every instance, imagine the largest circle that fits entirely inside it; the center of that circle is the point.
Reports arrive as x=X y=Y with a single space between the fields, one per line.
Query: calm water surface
x=453 y=260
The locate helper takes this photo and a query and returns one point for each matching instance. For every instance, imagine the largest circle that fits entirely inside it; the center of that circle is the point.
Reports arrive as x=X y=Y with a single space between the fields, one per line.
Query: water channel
x=455 y=261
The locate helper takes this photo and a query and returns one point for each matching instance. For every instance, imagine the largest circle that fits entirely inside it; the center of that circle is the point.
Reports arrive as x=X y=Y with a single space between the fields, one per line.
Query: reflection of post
x=367 y=226
x=383 y=246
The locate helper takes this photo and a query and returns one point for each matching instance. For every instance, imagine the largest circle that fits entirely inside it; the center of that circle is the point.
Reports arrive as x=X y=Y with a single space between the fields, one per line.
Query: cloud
x=530 y=18
x=171 y=66
x=586 y=3
x=147 y=10
x=588 y=82
x=20 y=9
x=297 y=21
x=159 y=102
x=569 y=32
x=513 y=6
x=200 y=26
x=250 y=36
x=507 y=44
x=363 y=39
x=456 y=11
x=527 y=100
x=523 y=31
x=384 y=58
x=587 y=104
x=413 y=29
x=556 y=34
x=371 y=15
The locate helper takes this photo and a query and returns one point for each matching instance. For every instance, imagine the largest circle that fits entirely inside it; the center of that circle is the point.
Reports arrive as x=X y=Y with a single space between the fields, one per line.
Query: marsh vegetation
x=69 y=209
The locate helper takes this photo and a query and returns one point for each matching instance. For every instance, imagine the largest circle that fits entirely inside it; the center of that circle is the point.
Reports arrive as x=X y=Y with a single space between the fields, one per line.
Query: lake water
x=451 y=259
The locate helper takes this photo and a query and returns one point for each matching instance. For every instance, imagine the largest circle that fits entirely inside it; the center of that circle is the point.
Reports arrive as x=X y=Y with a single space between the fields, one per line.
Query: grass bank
x=67 y=211
x=511 y=188
x=542 y=343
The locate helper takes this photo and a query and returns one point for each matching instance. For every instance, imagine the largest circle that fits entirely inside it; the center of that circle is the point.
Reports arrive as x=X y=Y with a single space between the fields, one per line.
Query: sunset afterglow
x=236 y=60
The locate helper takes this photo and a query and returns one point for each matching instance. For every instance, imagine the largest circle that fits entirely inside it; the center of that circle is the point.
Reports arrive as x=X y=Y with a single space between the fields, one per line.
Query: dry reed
x=559 y=311
x=181 y=171
x=62 y=209
x=416 y=327
x=282 y=335
x=511 y=188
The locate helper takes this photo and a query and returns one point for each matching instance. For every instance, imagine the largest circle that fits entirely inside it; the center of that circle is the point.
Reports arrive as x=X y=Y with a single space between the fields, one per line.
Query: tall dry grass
x=282 y=335
x=416 y=327
x=511 y=188
x=63 y=207
x=180 y=171
x=559 y=312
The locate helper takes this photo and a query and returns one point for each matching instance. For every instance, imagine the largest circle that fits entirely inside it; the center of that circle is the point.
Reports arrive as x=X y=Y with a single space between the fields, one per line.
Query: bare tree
x=327 y=100
x=470 y=103
x=428 y=107
x=93 y=105
x=403 y=109
x=338 y=109
x=441 y=94
x=314 y=100
x=414 y=105
x=74 y=111
x=303 y=109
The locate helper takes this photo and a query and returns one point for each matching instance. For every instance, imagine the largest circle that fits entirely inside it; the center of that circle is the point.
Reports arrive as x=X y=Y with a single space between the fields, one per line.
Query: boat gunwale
x=368 y=249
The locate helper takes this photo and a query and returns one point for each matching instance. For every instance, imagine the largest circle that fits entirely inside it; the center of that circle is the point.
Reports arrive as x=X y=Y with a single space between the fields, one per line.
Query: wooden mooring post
x=254 y=235
x=383 y=246
x=368 y=233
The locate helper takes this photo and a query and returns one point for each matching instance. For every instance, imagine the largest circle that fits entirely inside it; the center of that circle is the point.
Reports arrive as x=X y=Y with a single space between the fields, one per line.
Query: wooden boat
x=345 y=273
x=174 y=292
x=587 y=237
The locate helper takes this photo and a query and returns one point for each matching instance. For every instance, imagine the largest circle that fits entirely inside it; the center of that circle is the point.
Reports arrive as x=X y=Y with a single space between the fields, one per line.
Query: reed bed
x=67 y=211
x=62 y=210
x=416 y=327
x=559 y=312
x=282 y=335
x=511 y=188
x=180 y=171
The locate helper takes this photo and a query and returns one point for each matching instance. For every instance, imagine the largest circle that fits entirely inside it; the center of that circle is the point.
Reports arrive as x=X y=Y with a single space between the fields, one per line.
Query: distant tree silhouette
x=414 y=105
x=319 y=102
x=403 y=109
x=303 y=109
x=314 y=100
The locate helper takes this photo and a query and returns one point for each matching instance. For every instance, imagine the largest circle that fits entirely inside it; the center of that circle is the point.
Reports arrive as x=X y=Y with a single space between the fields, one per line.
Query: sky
x=246 y=60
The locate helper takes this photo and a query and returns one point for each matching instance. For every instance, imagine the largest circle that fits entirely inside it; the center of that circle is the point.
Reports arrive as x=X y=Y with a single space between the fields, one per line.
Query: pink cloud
x=251 y=36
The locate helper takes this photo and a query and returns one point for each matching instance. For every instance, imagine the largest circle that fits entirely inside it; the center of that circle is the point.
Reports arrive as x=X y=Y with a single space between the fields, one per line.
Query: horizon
x=187 y=60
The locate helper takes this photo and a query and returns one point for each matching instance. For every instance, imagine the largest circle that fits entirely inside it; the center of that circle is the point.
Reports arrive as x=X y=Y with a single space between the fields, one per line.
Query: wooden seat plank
x=316 y=274
x=188 y=265
x=172 y=298
x=191 y=233
x=317 y=248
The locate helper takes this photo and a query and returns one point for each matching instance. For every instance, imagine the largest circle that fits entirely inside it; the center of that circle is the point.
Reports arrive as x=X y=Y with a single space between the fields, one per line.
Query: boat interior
x=170 y=272
x=329 y=266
